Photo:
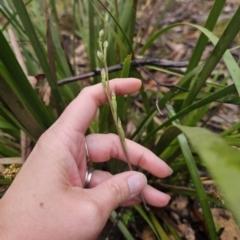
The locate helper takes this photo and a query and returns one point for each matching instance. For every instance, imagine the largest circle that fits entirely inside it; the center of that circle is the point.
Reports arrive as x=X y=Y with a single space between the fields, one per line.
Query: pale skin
x=47 y=199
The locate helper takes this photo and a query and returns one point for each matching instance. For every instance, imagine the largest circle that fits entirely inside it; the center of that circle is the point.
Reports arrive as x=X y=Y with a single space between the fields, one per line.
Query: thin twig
x=134 y=64
x=162 y=84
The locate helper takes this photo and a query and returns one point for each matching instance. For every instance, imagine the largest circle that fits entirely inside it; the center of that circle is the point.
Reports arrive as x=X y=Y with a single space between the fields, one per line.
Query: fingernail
x=136 y=182
x=168 y=198
x=170 y=171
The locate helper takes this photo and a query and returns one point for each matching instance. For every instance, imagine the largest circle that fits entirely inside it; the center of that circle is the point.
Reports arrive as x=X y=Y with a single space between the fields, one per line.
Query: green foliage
x=128 y=217
x=221 y=160
x=22 y=109
x=18 y=97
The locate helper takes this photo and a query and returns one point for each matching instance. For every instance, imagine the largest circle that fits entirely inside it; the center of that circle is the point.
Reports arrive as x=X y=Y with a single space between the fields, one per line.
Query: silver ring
x=88 y=176
x=87 y=153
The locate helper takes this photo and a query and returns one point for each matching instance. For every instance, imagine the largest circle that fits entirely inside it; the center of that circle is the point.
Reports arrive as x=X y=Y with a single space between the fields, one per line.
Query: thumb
x=118 y=189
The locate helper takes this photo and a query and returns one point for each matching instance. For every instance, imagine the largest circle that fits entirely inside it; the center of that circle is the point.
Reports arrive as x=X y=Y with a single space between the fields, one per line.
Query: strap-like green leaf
x=40 y=53
x=18 y=95
x=203 y=39
x=222 y=161
x=213 y=97
x=126 y=66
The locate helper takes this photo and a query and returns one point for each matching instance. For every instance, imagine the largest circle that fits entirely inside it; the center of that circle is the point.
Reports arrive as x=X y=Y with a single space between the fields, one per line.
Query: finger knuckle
x=116 y=191
x=142 y=160
x=86 y=90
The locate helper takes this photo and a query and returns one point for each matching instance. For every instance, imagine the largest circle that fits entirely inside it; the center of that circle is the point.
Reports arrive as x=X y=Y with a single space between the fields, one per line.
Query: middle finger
x=102 y=147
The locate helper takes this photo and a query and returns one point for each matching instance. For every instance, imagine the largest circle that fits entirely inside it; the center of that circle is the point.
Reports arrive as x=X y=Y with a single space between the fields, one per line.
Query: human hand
x=47 y=199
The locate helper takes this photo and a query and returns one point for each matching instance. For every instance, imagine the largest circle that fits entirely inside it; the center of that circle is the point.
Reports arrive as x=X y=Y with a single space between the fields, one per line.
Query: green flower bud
x=105 y=44
x=101 y=34
x=103 y=73
x=114 y=105
x=103 y=76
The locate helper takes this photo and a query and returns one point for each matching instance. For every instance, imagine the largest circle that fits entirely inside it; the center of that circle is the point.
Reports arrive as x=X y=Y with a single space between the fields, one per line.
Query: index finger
x=81 y=111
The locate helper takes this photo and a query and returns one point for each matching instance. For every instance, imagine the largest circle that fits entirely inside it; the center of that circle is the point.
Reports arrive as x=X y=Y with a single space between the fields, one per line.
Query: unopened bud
x=103 y=76
x=105 y=44
x=101 y=34
x=114 y=105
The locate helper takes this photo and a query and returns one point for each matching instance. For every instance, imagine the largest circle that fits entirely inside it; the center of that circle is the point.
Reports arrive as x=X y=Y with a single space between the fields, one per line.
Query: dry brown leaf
x=224 y=219
x=148 y=234
x=187 y=231
x=45 y=93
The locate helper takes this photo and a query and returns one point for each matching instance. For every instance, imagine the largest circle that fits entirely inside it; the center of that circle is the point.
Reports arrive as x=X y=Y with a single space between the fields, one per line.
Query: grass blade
x=122 y=102
x=40 y=53
x=14 y=103
x=92 y=38
x=147 y=219
x=229 y=34
x=19 y=91
x=158 y=227
x=122 y=227
x=198 y=185
x=214 y=151
x=192 y=168
x=122 y=31
x=203 y=40
x=212 y=98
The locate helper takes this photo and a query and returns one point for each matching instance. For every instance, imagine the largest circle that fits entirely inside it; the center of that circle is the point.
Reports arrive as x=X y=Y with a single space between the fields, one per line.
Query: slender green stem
x=112 y=102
